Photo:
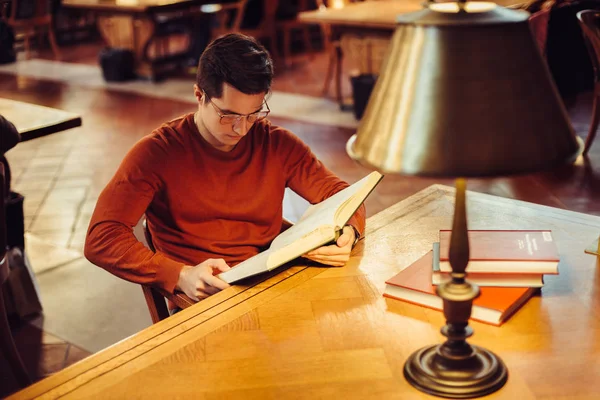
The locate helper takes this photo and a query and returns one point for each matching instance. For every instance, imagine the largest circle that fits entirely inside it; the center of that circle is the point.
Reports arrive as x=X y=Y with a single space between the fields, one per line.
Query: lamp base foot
x=479 y=374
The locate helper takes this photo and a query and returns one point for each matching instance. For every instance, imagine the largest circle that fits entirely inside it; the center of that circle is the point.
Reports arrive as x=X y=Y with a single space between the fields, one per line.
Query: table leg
x=129 y=32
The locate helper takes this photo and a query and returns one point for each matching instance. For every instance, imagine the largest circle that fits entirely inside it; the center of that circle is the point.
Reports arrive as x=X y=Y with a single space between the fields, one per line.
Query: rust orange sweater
x=201 y=202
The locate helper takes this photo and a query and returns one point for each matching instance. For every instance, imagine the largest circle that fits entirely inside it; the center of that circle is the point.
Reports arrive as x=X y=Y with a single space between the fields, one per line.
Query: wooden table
x=33 y=121
x=311 y=332
x=131 y=24
x=369 y=18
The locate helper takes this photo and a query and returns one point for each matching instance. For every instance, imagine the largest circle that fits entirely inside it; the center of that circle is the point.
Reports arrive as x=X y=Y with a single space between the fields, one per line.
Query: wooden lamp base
x=476 y=375
x=455 y=369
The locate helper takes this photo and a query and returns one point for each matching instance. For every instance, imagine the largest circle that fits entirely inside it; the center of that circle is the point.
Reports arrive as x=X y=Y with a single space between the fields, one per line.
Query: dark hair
x=237 y=60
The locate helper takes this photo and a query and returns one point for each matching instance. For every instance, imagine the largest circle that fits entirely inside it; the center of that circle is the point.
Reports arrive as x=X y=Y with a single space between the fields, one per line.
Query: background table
x=33 y=121
x=309 y=332
x=132 y=25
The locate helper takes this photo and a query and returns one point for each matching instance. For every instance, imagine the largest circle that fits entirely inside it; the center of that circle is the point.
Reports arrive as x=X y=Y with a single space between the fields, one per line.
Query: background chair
x=538 y=21
x=590 y=25
x=287 y=22
x=239 y=16
x=31 y=17
x=7 y=344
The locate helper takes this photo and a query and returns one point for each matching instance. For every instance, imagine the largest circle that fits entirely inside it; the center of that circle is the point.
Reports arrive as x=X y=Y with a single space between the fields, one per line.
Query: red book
x=486 y=278
x=494 y=306
x=526 y=251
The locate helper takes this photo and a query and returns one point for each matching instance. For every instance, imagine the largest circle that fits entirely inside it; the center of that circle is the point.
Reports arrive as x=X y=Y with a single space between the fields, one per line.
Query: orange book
x=494 y=306
x=524 y=251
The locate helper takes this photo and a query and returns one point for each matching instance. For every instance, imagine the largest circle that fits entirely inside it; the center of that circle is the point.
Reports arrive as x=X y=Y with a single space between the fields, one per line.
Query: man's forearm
x=113 y=246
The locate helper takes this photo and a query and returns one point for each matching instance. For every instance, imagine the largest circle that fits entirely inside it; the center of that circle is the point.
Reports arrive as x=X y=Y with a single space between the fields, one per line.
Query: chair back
x=229 y=16
x=35 y=12
x=589 y=20
x=3 y=261
x=538 y=22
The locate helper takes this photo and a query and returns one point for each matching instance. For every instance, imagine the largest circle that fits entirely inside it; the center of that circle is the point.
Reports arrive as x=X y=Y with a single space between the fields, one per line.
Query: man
x=211 y=183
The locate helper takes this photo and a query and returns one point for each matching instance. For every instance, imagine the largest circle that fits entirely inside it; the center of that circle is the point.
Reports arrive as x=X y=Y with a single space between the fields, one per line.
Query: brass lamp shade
x=464 y=91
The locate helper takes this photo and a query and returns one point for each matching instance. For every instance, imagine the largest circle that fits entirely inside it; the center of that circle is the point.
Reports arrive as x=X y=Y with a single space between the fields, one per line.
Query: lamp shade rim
x=494 y=16
x=509 y=171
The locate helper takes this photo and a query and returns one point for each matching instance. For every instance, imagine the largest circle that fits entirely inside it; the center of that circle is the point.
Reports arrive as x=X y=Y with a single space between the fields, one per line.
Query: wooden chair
x=7 y=344
x=590 y=25
x=229 y=18
x=32 y=17
x=538 y=21
x=155 y=297
x=287 y=26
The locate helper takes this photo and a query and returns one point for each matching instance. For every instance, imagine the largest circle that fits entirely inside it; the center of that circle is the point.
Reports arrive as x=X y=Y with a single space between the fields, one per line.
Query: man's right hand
x=198 y=282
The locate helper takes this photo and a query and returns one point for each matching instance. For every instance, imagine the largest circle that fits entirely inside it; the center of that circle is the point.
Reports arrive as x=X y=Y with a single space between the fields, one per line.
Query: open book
x=320 y=224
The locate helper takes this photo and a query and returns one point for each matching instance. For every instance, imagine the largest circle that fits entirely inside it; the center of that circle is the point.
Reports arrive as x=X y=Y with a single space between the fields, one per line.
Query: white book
x=320 y=224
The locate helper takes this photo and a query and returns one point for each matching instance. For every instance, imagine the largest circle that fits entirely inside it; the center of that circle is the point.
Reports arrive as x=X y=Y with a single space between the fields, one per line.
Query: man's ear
x=198 y=93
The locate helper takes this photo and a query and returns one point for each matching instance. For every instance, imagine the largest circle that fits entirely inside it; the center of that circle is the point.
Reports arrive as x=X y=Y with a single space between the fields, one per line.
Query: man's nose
x=241 y=127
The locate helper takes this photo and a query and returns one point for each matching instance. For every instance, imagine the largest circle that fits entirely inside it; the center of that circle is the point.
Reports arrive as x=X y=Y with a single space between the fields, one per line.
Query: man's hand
x=338 y=254
x=198 y=282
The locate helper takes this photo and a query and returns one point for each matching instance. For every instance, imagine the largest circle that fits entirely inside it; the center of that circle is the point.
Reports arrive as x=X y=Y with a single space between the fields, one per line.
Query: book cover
x=485 y=278
x=506 y=251
x=494 y=306
x=319 y=225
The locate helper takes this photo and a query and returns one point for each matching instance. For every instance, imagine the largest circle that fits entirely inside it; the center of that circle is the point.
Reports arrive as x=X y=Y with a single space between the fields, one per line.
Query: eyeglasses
x=234 y=119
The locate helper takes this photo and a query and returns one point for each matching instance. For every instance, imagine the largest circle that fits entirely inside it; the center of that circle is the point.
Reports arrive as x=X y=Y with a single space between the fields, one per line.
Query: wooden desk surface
x=374 y=14
x=329 y=333
x=126 y=6
x=33 y=121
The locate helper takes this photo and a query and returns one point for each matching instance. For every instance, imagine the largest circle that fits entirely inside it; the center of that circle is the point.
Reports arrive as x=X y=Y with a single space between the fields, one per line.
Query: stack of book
x=509 y=266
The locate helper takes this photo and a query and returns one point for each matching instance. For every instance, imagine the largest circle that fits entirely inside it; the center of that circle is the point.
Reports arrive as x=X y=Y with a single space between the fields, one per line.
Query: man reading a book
x=211 y=183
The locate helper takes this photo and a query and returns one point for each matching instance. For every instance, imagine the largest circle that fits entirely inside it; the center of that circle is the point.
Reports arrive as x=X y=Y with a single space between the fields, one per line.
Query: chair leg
x=338 y=73
x=330 y=70
x=308 y=43
x=156 y=304
x=595 y=120
x=9 y=349
x=27 y=46
x=53 y=44
x=286 y=47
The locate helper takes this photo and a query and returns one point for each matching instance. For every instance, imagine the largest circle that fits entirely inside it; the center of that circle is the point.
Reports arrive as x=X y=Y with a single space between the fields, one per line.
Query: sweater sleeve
x=309 y=178
x=110 y=242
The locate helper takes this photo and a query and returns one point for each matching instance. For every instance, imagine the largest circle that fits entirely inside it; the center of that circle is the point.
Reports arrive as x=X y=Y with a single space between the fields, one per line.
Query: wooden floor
x=73 y=166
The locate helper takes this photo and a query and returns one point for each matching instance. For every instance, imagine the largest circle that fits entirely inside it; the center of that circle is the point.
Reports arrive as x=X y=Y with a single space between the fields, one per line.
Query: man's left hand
x=336 y=255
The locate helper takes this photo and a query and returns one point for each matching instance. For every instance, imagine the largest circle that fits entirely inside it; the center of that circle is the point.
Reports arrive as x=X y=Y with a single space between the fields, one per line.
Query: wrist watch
x=356 y=235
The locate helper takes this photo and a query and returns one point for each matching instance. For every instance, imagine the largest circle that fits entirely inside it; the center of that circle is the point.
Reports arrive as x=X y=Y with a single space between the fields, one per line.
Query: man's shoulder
x=169 y=135
x=279 y=135
x=175 y=128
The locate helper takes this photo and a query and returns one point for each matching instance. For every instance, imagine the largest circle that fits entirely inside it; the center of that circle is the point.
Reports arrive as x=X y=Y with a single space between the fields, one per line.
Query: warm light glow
x=337 y=4
x=470 y=7
x=210 y=8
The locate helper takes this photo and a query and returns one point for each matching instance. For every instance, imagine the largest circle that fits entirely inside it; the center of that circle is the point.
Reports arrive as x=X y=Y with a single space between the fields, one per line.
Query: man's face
x=226 y=120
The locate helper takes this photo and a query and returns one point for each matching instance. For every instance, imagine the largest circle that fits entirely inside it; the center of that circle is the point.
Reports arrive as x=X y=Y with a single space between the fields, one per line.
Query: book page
x=323 y=218
x=365 y=186
x=252 y=266
x=349 y=207
x=337 y=200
